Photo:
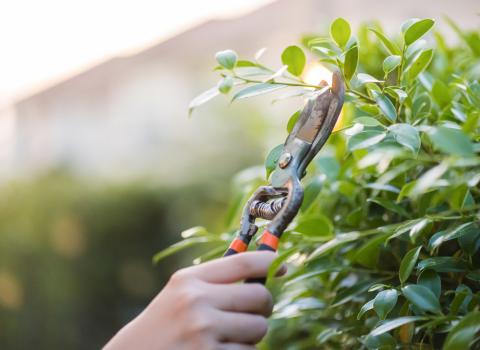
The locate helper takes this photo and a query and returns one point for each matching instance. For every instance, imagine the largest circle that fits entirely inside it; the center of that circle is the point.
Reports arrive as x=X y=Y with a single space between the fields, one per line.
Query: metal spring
x=266 y=211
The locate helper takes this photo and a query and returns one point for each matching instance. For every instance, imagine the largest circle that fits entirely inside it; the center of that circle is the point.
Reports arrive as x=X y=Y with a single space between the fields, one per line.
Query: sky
x=43 y=42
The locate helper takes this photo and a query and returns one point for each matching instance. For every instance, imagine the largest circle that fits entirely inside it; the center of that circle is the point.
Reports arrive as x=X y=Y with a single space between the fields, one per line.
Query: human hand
x=201 y=308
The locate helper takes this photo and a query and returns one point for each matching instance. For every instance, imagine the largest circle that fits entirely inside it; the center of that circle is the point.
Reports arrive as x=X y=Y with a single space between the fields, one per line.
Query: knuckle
x=200 y=325
x=180 y=277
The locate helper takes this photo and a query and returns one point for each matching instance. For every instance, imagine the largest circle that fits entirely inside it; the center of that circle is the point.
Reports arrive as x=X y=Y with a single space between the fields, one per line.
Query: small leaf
x=293 y=93
x=201 y=99
x=340 y=31
x=390 y=63
x=406 y=135
x=474 y=275
x=363 y=78
x=227 y=59
x=458 y=301
x=271 y=161
x=431 y=280
x=277 y=74
x=451 y=141
x=408 y=23
x=411 y=59
x=382 y=341
x=391 y=47
x=367 y=121
x=447 y=235
x=408 y=263
x=397 y=322
x=314 y=226
x=351 y=63
x=463 y=333
x=294 y=57
x=368 y=253
x=293 y=119
x=195 y=232
x=364 y=139
x=332 y=244
x=379 y=286
x=417 y=30
x=470 y=242
x=311 y=192
x=441 y=94
x=325 y=51
x=365 y=308
x=259 y=53
x=385 y=105
x=226 y=84
x=180 y=246
x=390 y=205
x=256 y=90
x=422 y=298
x=384 y=302
x=420 y=64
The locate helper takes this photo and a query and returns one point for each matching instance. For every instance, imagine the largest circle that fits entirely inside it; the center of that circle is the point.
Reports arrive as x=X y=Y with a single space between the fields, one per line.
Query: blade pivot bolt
x=285 y=159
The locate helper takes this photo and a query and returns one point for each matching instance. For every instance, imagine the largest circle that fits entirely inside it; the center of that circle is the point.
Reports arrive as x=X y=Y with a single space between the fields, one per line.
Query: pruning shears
x=281 y=201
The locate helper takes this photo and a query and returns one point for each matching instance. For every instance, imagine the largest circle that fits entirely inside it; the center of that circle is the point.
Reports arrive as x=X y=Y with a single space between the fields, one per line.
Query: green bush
x=384 y=252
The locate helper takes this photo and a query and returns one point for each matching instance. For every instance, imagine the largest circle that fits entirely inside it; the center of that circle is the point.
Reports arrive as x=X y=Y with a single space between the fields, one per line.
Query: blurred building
x=128 y=116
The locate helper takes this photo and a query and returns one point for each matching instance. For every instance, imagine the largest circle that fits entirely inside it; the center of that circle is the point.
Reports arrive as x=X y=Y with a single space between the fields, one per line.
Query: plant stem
x=277 y=83
x=365 y=97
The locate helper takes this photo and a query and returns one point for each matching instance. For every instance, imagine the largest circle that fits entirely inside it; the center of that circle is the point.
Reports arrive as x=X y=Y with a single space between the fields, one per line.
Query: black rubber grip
x=261 y=280
x=229 y=252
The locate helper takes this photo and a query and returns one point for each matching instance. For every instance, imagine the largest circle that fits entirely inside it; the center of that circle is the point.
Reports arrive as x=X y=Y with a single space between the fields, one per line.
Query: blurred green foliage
x=384 y=253
x=75 y=257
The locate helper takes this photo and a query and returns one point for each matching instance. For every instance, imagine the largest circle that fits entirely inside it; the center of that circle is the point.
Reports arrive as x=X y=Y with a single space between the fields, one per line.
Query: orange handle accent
x=238 y=246
x=270 y=240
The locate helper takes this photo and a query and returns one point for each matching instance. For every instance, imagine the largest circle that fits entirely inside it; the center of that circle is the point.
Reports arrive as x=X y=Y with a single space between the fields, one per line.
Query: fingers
x=247 y=298
x=240 y=328
x=236 y=267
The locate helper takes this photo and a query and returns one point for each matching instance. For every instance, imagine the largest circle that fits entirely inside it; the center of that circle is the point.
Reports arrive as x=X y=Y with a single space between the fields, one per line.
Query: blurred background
x=100 y=166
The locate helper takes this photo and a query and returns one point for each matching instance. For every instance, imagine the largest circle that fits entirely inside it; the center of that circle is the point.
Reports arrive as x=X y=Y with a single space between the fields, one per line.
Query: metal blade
x=317 y=115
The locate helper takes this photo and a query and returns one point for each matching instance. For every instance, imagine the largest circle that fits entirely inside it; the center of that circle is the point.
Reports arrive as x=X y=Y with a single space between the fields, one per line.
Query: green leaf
x=385 y=105
x=365 y=308
x=417 y=30
x=259 y=53
x=470 y=242
x=351 y=63
x=227 y=59
x=271 y=161
x=180 y=246
x=390 y=63
x=382 y=341
x=447 y=235
x=406 y=135
x=368 y=253
x=458 y=301
x=351 y=293
x=408 y=23
x=195 y=232
x=420 y=64
x=379 y=286
x=451 y=141
x=463 y=333
x=408 y=263
x=355 y=217
x=314 y=226
x=459 y=194
x=279 y=260
x=384 y=302
x=474 y=275
x=364 y=139
x=390 y=205
x=474 y=302
x=411 y=59
x=293 y=119
x=367 y=121
x=400 y=321
x=340 y=31
x=240 y=64
x=320 y=40
x=294 y=57
x=431 y=280
x=391 y=47
x=311 y=192
x=325 y=51
x=339 y=240
x=202 y=98
x=439 y=261
x=406 y=189
x=226 y=84
x=422 y=298
x=441 y=94
x=256 y=90
x=363 y=78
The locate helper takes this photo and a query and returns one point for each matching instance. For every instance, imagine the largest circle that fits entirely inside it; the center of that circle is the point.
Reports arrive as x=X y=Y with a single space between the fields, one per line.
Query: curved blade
x=327 y=124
